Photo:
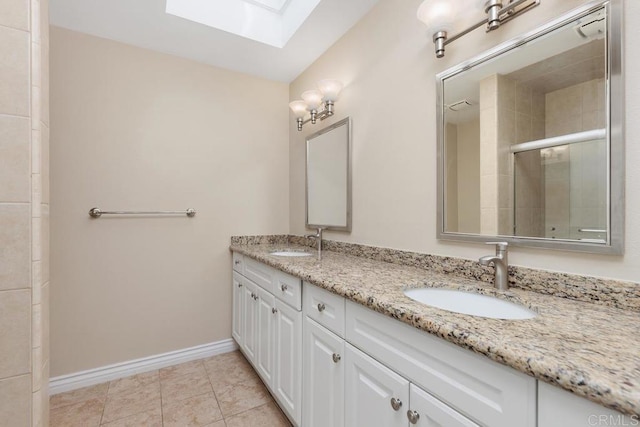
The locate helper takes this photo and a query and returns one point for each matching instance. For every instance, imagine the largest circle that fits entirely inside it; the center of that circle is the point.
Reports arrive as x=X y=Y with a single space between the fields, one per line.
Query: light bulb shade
x=330 y=89
x=299 y=108
x=313 y=98
x=437 y=15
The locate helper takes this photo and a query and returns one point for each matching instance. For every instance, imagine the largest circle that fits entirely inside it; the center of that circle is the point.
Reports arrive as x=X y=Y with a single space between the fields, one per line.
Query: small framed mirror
x=530 y=145
x=328 y=177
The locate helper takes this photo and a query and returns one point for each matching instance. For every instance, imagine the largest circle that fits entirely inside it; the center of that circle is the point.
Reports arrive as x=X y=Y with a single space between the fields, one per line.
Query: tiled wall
x=529 y=195
x=489 y=174
x=24 y=213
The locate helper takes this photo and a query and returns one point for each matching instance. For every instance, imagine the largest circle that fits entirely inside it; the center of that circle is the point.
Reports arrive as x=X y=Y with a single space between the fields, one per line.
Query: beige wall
x=24 y=213
x=388 y=64
x=138 y=130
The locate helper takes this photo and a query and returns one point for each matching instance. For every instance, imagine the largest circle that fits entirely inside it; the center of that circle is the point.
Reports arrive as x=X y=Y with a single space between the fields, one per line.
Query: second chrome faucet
x=501 y=264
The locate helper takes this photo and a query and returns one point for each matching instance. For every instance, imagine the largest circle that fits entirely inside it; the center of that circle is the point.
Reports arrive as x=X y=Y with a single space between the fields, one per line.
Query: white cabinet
x=375 y=395
x=560 y=408
x=250 y=319
x=427 y=411
x=266 y=306
x=268 y=329
x=237 y=326
x=323 y=376
x=482 y=390
x=287 y=372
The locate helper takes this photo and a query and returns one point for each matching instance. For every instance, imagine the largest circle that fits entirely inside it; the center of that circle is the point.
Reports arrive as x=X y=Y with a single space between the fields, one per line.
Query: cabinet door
x=375 y=395
x=238 y=309
x=561 y=408
x=287 y=378
x=428 y=411
x=266 y=305
x=323 y=377
x=249 y=303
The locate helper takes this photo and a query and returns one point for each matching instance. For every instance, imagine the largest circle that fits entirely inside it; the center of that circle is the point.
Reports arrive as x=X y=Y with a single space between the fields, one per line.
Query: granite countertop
x=589 y=349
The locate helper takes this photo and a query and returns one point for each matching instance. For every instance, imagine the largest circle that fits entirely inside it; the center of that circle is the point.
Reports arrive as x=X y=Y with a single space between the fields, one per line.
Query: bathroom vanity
x=338 y=343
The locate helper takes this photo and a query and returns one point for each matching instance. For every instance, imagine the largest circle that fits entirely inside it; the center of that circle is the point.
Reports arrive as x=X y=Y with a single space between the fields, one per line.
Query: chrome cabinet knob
x=274 y=310
x=236 y=262
x=284 y=288
x=321 y=307
x=239 y=285
x=336 y=357
x=396 y=404
x=413 y=416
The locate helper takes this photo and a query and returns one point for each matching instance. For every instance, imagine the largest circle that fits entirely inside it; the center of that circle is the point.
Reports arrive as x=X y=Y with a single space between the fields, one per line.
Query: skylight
x=273 y=5
x=271 y=22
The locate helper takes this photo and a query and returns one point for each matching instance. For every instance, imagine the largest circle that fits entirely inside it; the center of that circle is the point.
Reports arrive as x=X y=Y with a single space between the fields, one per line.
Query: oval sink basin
x=469 y=303
x=290 y=253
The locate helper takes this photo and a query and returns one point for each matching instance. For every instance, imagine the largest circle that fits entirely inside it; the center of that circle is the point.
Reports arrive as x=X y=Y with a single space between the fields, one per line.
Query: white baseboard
x=124 y=369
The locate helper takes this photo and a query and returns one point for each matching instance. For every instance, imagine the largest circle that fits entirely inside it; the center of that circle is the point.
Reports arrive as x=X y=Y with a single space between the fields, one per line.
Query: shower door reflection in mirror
x=525 y=140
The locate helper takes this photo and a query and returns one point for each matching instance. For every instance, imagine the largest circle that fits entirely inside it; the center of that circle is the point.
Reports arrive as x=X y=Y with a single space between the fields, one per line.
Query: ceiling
x=145 y=23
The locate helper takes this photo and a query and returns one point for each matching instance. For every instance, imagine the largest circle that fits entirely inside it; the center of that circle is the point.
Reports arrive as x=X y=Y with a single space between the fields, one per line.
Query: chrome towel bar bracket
x=97 y=213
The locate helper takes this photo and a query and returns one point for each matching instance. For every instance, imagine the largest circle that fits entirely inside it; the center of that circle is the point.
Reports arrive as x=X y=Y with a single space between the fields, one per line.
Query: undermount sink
x=290 y=253
x=469 y=303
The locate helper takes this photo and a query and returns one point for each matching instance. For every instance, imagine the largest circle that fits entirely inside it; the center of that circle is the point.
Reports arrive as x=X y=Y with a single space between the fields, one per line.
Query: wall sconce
x=440 y=16
x=319 y=103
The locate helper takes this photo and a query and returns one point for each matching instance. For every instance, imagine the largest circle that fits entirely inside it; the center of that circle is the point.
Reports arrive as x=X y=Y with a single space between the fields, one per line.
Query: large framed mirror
x=530 y=142
x=328 y=177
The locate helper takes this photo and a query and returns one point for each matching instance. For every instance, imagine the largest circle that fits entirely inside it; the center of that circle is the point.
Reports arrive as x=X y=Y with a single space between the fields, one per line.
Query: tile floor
x=221 y=391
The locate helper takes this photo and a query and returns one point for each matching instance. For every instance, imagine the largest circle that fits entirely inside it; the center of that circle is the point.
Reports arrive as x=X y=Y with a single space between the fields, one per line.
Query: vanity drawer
x=238 y=262
x=325 y=308
x=288 y=289
x=260 y=274
x=483 y=390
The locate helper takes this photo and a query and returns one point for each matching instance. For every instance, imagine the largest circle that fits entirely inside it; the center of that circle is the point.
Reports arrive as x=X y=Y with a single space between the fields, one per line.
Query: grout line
x=104 y=406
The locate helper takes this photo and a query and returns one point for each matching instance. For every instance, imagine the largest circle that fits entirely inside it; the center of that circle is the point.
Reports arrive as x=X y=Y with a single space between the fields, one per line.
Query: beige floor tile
x=268 y=415
x=98 y=391
x=82 y=414
x=122 y=405
x=128 y=384
x=243 y=396
x=220 y=423
x=195 y=411
x=184 y=387
x=193 y=367
x=225 y=374
x=151 y=418
x=234 y=356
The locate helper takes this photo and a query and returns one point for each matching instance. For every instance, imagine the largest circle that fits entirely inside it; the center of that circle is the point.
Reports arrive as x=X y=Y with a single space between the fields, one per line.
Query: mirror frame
x=615 y=135
x=344 y=122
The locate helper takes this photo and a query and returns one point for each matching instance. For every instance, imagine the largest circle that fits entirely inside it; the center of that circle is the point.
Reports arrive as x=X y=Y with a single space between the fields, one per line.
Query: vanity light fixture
x=318 y=102
x=440 y=17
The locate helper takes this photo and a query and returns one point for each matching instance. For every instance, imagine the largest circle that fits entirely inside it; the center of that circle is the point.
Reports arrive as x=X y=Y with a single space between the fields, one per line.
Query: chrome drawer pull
x=321 y=307
x=236 y=262
x=336 y=357
x=413 y=416
x=396 y=404
x=274 y=310
x=284 y=288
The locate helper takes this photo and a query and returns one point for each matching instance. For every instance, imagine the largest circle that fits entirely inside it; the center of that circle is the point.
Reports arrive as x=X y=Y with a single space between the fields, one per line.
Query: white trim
x=124 y=369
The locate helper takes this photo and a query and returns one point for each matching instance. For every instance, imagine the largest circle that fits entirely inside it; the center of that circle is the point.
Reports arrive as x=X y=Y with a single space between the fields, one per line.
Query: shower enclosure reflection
x=525 y=138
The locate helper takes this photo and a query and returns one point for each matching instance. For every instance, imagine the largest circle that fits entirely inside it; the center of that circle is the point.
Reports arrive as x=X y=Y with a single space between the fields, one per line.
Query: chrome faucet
x=500 y=263
x=318 y=237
